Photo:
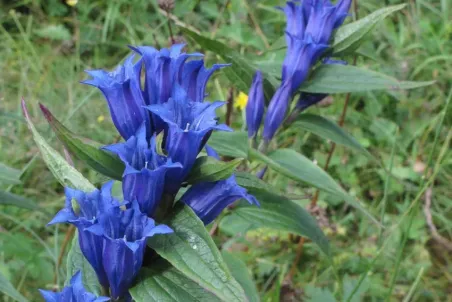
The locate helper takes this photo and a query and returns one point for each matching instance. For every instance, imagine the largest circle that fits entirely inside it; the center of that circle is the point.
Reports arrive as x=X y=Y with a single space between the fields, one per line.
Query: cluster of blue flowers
x=310 y=25
x=112 y=233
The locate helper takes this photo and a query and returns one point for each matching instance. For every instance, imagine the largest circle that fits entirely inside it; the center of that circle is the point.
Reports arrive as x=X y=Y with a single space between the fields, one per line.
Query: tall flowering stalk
x=112 y=233
x=310 y=25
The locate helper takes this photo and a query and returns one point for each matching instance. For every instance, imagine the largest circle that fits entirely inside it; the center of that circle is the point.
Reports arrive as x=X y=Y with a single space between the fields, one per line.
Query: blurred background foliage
x=46 y=45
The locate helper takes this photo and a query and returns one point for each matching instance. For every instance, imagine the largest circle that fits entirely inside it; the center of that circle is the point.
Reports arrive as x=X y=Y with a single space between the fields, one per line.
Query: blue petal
x=122 y=91
x=276 y=111
x=255 y=105
x=49 y=296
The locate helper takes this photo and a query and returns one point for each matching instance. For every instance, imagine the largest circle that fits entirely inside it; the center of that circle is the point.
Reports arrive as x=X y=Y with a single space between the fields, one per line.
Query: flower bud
x=255 y=105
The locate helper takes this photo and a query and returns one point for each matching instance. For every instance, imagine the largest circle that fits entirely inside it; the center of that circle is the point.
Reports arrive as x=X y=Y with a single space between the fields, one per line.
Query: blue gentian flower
x=209 y=199
x=90 y=206
x=122 y=91
x=277 y=110
x=310 y=26
x=167 y=69
x=124 y=234
x=145 y=172
x=194 y=79
x=74 y=292
x=255 y=105
x=189 y=125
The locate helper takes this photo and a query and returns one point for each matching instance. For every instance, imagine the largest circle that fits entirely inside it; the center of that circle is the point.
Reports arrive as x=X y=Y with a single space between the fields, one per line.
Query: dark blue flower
x=74 y=292
x=194 y=79
x=277 y=109
x=189 y=125
x=301 y=55
x=144 y=175
x=255 y=105
x=163 y=69
x=121 y=88
x=209 y=199
x=83 y=215
x=124 y=234
x=310 y=26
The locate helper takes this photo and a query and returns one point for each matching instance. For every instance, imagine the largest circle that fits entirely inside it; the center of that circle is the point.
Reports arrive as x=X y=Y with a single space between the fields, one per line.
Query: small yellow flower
x=71 y=2
x=241 y=100
x=100 y=118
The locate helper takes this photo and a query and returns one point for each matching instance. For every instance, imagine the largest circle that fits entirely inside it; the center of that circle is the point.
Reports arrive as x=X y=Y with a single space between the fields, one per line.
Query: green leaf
x=98 y=159
x=63 y=172
x=207 y=168
x=8 y=289
x=295 y=166
x=252 y=182
x=241 y=72
x=233 y=144
x=162 y=282
x=77 y=262
x=336 y=78
x=9 y=176
x=315 y=294
x=242 y=275
x=280 y=213
x=191 y=250
x=328 y=130
x=350 y=36
x=7 y=198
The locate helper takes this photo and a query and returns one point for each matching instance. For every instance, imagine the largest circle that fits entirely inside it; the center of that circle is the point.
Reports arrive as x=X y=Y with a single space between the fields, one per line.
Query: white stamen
x=146 y=164
x=186 y=128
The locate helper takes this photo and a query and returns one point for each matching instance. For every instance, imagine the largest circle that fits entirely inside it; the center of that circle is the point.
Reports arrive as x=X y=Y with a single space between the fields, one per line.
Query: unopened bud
x=166 y=5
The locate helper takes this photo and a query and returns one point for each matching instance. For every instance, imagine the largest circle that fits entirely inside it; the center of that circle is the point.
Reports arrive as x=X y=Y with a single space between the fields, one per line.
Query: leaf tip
x=47 y=114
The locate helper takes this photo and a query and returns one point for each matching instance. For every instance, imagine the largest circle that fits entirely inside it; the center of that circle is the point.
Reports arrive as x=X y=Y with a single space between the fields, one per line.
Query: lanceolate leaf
x=252 y=182
x=9 y=176
x=328 y=130
x=233 y=144
x=207 y=168
x=242 y=275
x=162 y=282
x=77 y=262
x=9 y=291
x=7 y=198
x=295 y=166
x=336 y=78
x=65 y=173
x=241 y=72
x=192 y=251
x=280 y=213
x=349 y=37
x=99 y=160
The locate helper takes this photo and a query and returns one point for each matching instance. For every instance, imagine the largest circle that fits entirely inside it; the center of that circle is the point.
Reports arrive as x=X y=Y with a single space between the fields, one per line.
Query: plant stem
x=229 y=106
x=67 y=239
x=314 y=200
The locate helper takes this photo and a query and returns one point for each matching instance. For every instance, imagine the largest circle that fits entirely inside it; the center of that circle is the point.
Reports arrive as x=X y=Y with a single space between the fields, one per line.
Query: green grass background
x=46 y=45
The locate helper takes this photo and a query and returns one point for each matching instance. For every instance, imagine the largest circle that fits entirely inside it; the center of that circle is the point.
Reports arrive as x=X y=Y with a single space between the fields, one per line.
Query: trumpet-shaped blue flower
x=124 y=235
x=194 y=79
x=74 y=292
x=255 y=105
x=144 y=175
x=209 y=199
x=90 y=206
x=277 y=109
x=189 y=125
x=122 y=91
x=309 y=29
